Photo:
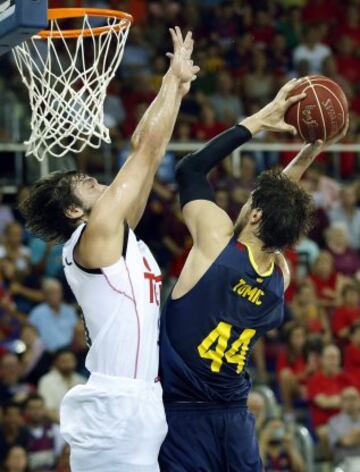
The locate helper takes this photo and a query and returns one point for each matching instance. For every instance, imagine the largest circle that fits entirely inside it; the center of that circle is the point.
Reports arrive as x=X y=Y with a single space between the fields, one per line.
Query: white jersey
x=121 y=308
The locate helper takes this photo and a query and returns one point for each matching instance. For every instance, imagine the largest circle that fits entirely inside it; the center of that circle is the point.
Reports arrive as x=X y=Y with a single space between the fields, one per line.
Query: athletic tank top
x=208 y=334
x=120 y=306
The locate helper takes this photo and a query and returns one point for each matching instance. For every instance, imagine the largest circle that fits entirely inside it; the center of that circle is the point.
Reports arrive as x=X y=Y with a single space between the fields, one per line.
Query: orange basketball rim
x=68 y=13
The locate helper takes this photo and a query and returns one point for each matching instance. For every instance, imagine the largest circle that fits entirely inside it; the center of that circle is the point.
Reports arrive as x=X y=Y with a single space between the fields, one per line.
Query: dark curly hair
x=44 y=209
x=287 y=210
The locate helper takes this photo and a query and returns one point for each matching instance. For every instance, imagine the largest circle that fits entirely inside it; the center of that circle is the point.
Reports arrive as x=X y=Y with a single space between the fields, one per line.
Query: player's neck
x=263 y=259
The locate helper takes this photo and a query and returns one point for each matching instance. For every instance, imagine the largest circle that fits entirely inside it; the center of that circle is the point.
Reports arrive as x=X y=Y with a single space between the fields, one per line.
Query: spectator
x=324 y=189
x=291 y=26
x=258 y=83
x=22 y=194
x=137 y=56
x=12 y=431
x=14 y=250
x=352 y=354
x=62 y=377
x=207 y=127
x=279 y=58
x=262 y=31
x=25 y=291
x=227 y=105
x=11 y=388
x=345 y=211
x=6 y=215
x=324 y=389
x=320 y=10
x=312 y=50
x=16 y=460
x=307 y=251
x=35 y=360
x=46 y=258
x=347 y=313
x=346 y=260
x=114 y=111
x=326 y=281
x=247 y=179
x=293 y=368
x=278 y=448
x=344 y=428
x=257 y=406
x=45 y=442
x=308 y=312
x=330 y=69
x=346 y=60
x=54 y=320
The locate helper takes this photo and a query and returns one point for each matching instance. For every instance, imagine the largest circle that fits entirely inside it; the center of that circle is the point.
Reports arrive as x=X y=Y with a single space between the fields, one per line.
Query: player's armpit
x=209 y=226
x=101 y=244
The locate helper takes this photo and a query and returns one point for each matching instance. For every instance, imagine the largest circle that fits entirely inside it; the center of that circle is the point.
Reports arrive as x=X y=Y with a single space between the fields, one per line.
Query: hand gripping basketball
x=272 y=115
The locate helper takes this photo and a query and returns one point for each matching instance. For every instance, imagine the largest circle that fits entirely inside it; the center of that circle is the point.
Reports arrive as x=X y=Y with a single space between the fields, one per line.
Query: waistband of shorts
x=178 y=406
x=124 y=385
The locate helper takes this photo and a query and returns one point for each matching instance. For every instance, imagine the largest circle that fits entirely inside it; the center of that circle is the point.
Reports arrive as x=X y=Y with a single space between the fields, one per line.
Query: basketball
x=323 y=113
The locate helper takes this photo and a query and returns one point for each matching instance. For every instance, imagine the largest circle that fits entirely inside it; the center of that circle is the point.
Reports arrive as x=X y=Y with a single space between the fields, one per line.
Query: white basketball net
x=67 y=81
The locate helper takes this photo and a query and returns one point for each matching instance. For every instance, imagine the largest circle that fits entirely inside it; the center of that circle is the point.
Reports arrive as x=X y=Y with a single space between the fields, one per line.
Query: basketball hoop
x=67 y=73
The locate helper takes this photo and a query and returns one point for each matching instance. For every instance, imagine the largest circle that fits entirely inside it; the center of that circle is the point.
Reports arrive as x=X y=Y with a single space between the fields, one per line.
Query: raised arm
x=298 y=166
x=125 y=199
x=208 y=224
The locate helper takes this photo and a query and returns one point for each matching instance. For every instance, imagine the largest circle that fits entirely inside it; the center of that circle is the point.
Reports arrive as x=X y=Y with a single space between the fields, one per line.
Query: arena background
x=246 y=51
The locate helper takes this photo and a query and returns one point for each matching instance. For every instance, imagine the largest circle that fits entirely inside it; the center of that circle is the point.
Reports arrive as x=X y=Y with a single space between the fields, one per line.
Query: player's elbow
x=184 y=169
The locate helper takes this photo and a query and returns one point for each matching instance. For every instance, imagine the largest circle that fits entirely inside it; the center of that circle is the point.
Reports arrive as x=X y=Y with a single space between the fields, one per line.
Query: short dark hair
x=287 y=210
x=61 y=351
x=10 y=405
x=44 y=209
x=33 y=397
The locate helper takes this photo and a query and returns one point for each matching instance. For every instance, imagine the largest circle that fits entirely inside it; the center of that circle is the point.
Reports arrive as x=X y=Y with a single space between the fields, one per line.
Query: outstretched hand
x=272 y=115
x=182 y=65
x=311 y=150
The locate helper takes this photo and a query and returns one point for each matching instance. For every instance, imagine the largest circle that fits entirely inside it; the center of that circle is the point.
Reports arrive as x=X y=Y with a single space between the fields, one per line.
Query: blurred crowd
x=246 y=50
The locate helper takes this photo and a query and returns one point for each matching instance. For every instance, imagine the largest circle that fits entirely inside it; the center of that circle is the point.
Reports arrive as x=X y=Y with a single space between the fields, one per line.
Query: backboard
x=19 y=20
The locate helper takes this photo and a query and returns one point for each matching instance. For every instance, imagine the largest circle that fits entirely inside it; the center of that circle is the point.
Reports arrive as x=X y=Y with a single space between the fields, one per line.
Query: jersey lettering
x=235 y=355
x=253 y=294
x=154 y=284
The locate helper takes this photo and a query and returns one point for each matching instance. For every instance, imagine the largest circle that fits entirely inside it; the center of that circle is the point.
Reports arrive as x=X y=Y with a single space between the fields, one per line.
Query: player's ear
x=255 y=216
x=74 y=212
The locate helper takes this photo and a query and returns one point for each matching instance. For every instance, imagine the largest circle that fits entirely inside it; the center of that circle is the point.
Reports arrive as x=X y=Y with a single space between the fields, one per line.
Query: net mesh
x=67 y=81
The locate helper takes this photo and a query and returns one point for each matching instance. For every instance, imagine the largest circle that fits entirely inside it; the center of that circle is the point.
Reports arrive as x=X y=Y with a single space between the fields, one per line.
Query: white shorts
x=114 y=424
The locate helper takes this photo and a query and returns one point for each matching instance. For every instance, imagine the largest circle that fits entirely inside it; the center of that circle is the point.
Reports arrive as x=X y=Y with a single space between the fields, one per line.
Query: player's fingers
x=295 y=98
x=314 y=148
x=283 y=92
x=188 y=38
x=179 y=34
x=170 y=55
x=195 y=70
x=289 y=129
x=174 y=38
x=289 y=87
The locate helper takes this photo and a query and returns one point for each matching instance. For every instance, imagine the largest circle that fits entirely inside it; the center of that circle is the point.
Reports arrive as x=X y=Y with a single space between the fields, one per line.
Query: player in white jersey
x=116 y=422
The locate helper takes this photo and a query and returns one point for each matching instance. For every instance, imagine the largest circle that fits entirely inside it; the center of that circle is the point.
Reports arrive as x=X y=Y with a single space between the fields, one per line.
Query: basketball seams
x=320 y=109
x=298 y=121
x=298 y=112
x=328 y=115
x=338 y=100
